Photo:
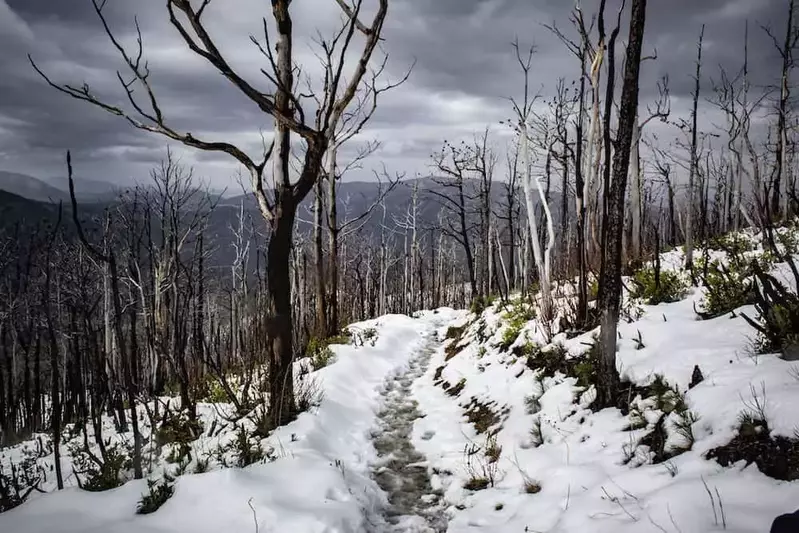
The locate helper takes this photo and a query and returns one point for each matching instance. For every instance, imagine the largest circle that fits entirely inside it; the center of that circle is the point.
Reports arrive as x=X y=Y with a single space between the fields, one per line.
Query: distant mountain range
x=56 y=189
x=31 y=201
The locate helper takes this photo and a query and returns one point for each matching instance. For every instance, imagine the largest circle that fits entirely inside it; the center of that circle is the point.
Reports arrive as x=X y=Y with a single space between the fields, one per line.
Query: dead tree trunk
x=611 y=282
x=689 y=214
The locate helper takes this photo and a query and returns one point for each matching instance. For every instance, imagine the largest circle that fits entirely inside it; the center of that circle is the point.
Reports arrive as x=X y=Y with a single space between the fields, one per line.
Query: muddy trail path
x=401 y=471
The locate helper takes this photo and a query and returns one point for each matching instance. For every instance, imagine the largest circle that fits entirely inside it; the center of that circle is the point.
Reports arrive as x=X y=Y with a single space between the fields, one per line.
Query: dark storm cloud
x=464 y=71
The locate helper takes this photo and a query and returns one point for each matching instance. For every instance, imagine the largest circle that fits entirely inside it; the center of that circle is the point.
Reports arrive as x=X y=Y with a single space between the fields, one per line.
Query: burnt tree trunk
x=610 y=303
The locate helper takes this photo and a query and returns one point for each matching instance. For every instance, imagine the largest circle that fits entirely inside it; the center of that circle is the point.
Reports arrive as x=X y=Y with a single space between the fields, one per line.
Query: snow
x=560 y=466
x=319 y=482
x=593 y=475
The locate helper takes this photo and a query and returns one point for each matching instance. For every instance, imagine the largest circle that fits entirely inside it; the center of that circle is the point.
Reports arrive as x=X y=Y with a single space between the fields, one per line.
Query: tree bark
x=610 y=304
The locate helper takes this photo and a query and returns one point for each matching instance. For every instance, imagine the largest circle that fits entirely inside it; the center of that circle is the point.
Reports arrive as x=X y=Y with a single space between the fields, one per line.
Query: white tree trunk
x=635 y=190
x=542 y=259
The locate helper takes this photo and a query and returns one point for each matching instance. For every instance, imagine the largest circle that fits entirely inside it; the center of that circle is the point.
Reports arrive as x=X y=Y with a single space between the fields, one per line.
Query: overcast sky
x=464 y=71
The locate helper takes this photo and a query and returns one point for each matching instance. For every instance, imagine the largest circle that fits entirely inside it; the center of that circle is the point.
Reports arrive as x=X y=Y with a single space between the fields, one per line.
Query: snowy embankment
x=318 y=479
x=518 y=449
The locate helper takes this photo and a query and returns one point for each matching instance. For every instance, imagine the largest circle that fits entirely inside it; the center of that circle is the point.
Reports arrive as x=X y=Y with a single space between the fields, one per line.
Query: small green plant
x=732 y=243
x=532 y=486
x=101 y=475
x=727 y=288
x=308 y=393
x=179 y=452
x=369 y=335
x=158 y=494
x=536 y=433
x=532 y=404
x=493 y=451
x=667 y=398
x=655 y=287
x=585 y=372
x=319 y=349
x=509 y=336
x=248 y=450
x=479 y=304
x=215 y=393
x=778 y=310
x=177 y=428
x=683 y=426
x=201 y=466
x=322 y=358
x=593 y=290
x=517 y=316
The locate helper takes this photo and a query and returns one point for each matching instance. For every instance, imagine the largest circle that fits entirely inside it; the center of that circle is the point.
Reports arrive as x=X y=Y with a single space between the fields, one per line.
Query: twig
x=615 y=500
x=254 y=514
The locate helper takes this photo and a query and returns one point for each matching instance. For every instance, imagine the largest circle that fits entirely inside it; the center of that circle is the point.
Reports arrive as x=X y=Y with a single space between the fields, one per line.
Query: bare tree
x=611 y=281
x=278 y=204
x=694 y=161
x=781 y=148
x=543 y=258
x=660 y=111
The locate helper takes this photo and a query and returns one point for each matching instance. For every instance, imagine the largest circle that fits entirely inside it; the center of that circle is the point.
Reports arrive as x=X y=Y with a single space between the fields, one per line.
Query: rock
x=696 y=377
x=791 y=352
x=787 y=523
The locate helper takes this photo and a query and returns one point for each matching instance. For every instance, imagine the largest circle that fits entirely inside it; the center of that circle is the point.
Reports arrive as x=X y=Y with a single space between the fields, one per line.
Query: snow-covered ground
x=554 y=465
x=320 y=480
x=507 y=447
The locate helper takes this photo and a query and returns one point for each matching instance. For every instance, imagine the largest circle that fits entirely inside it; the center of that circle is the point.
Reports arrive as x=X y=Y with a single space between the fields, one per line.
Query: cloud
x=464 y=73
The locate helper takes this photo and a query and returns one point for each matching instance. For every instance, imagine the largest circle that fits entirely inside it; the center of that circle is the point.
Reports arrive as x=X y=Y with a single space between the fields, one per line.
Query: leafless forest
x=105 y=308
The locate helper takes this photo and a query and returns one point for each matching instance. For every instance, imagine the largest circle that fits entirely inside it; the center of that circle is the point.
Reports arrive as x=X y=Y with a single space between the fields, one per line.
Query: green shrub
x=666 y=288
x=585 y=372
x=509 y=336
x=20 y=480
x=732 y=243
x=479 y=304
x=248 y=449
x=549 y=360
x=593 y=290
x=180 y=451
x=727 y=288
x=778 y=310
x=215 y=393
x=157 y=496
x=369 y=335
x=104 y=476
x=322 y=358
x=516 y=318
x=667 y=398
x=788 y=240
x=178 y=428
x=319 y=349
x=201 y=466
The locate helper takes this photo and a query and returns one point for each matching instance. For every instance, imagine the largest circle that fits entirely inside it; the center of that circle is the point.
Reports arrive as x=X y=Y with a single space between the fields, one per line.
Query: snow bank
x=319 y=483
x=592 y=472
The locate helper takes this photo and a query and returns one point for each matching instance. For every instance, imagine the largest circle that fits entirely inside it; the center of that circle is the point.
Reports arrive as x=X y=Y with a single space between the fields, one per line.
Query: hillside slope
x=511 y=435
x=488 y=429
